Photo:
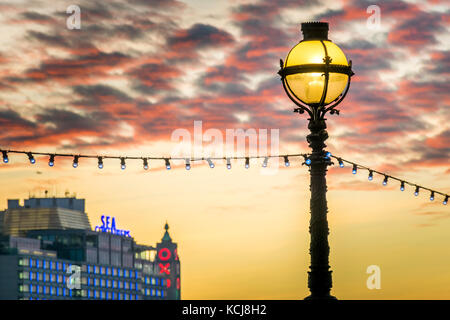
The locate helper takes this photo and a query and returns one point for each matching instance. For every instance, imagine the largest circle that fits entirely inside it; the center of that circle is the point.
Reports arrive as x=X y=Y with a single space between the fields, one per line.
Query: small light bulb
x=167 y=164
x=432 y=196
x=122 y=163
x=5 y=157
x=145 y=163
x=211 y=164
x=228 y=163
x=328 y=155
x=75 y=161
x=188 y=164
x=51 y=161
x=416 y=193
x=308 y=161
x=100 y=162
x=402 y=186
x=341 y=163
x=370 y=175
x=286 y=161
x=385 y=181
x=266 y=160
x=445 y=200
x=355 y=169
x=247 y=163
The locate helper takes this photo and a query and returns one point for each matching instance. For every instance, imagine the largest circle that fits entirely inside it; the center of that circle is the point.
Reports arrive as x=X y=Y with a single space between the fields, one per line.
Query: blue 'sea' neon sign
x=106 y=227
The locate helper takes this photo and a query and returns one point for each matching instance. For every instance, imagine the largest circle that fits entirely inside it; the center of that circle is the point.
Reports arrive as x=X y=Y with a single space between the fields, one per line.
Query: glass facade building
x=85 y=264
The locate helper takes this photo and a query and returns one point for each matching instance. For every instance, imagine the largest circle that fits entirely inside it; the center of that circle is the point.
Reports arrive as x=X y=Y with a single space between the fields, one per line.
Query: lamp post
x=316 y=77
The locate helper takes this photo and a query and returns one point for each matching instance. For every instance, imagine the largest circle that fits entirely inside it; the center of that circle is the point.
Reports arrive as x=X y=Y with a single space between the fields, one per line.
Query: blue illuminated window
x=88 y=281
x=30 y=288
x=50 y=265
x=119 y=296
x=70 y=292
x=107 y=295
x=125 y=273
x=136 y=274
x=64 y=292
x=120 y=272
x=64 y=266
x=95 y=282
x=152 y=293
x=107 y=270
x=30 y=262
x=113 y=295
x=57 y=291
x=88 y=269
x=136 y=285
x=44 y=264
x=57 y=266
x=101 y=270
x=89 y=293
x=119 y=284
x=37 y=263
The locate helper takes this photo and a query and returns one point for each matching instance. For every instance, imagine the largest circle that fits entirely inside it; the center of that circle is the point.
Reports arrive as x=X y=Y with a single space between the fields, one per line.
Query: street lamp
x=316 y=77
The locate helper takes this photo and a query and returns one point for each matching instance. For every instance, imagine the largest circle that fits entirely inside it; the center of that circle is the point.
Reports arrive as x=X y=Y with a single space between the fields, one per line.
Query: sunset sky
x=139 y=69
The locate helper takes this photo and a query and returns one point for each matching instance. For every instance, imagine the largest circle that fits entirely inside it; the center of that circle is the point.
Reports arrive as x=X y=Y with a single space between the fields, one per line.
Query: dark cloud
x=200 y=36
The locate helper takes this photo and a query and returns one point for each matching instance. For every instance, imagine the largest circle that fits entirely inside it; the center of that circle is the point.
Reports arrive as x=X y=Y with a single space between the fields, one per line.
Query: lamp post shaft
x=319 y=278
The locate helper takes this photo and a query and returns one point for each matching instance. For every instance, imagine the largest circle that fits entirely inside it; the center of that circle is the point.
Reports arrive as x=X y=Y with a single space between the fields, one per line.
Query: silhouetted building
x=48 y=251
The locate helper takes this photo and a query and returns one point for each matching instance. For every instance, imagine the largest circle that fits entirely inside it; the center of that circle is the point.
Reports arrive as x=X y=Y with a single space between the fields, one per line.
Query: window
x=103 y=283
x=50 y=265
x=136 y=274
x=120 y=272
x=125 y=273
x=37 y=263
x=113 y=295
x=125 y=284
x=89 y=293
x=53 y=277
x=119 y=296
x=107 y=271
x=64 y=292
x=88 y=269
x=119 y=284
x=109 y=284
x=57 y=291
x=114 y=271
x=136 y=286
x=64 y=266
x=44 y=264
x=95 y=282
x=101 y=270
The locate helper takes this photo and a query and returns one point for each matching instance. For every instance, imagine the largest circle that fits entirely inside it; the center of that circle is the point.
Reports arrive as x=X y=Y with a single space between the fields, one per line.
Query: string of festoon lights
x=210 y=161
